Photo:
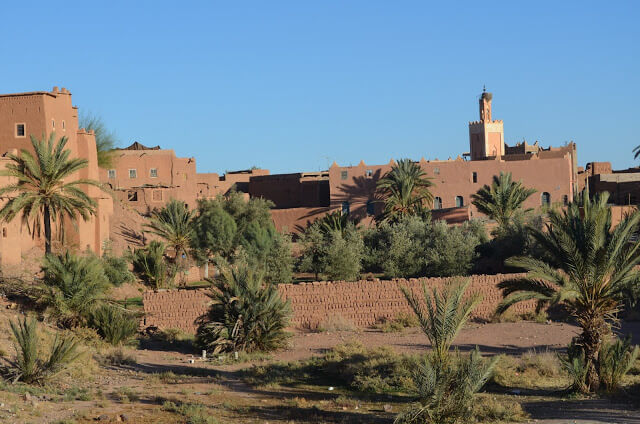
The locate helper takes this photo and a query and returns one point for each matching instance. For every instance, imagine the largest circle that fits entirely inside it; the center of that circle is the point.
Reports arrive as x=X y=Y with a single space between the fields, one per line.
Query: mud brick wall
x=363 y=303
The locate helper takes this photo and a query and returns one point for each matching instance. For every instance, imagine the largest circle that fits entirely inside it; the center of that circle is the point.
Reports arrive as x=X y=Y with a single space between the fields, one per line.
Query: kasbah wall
x=363 y=303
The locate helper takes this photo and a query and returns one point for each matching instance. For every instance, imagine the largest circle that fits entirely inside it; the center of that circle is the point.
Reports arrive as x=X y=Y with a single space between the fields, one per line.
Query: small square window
x=133 y=173
x=344 y=175
x=132 y=196
x=153 y=172
x=20 y=130
x=345 y=208
x=112 y=173
x=436 y=171
x=369 y=173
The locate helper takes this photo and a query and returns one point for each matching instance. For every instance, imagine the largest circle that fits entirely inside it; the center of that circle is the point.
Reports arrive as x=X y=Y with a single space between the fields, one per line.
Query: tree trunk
x=594 y=330
x=47 y=230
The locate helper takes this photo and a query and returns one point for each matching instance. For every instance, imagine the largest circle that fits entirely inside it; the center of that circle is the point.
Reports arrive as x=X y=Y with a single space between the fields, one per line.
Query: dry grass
x=335 y=323
x=532 y=370
x=400 y=322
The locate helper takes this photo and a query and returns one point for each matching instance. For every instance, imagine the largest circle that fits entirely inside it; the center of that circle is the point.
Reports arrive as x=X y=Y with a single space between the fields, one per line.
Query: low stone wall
x=363 y=303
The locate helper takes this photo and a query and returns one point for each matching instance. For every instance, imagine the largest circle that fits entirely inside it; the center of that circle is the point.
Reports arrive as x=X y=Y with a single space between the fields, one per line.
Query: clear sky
x=293 y=86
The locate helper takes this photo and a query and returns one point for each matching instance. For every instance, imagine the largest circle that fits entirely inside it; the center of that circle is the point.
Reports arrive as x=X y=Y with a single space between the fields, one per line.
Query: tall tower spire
x=486 y=136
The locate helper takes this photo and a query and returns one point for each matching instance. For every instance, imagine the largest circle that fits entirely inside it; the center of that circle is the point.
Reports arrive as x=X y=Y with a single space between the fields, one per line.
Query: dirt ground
x=141 y=390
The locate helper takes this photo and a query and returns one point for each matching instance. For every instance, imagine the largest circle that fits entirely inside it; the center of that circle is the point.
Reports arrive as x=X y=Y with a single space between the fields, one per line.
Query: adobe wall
x=364 y=303
x=451 y=178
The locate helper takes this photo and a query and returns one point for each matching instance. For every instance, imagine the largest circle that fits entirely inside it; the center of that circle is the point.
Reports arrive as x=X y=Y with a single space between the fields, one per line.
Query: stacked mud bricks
x=363 y=303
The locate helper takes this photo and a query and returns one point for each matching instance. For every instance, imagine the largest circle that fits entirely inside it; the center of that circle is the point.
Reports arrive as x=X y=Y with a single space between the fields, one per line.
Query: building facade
x=39 y=114
x=553 y=172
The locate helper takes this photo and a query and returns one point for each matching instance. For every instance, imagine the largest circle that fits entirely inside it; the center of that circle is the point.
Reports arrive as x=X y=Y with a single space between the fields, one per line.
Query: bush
x=452 y=249
x=29 y=366
x=446 y=390
x=246 y=314
x=116 y=270
x=72 y=287
x=150 y=265
x=615 y=360
x=113 y=324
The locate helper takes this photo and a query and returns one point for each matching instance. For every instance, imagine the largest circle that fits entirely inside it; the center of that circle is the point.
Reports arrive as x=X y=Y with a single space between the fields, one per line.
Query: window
x=436 y=171
x=565 y=200
x=153 y=172
x=112 y=173
x=53 y=124
x=4 y=232
x=133 y=173
x=369 y=173
x=344 y=175
x=437 y=202
x=546 y=199
x=20 y=130
x=459 y=201
x=345 y=208
x=132 y=196
x=63 y=125
x=156 y=196
x=371 y=207
x=474 y=177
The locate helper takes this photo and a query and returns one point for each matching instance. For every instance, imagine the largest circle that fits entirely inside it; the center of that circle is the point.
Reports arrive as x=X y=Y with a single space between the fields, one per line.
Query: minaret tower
x=486 y=136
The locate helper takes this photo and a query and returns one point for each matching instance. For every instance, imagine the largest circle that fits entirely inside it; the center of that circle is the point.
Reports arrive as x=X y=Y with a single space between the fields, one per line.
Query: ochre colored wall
x=362 y=302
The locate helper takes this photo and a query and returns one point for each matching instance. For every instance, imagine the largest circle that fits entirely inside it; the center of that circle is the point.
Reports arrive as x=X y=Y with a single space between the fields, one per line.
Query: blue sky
x=293 y=86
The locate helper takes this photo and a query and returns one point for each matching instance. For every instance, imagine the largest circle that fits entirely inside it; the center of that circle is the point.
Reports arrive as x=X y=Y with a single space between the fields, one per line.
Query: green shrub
x=72 y=287
x=615 y=360
x=246 y=314
x=114 y=325
x=150 y=265
x=117 y=270
x=451 y=250
x=29 y=366
x=193 y=412
x=446 y=390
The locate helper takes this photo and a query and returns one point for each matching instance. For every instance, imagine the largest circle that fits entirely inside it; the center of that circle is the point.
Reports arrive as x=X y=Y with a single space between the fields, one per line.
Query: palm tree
x=587 y=267
x=335 y=221
x=442 y=316
x=44 y=186
x=502 y=199
x=173 y=223
x=405 y=190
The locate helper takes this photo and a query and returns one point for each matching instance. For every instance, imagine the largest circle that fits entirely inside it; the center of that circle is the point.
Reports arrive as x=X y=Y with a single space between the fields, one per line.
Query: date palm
x=44 y=190
x=588 y=266
x=502 y=199
x=174 y=224
x=405 y=190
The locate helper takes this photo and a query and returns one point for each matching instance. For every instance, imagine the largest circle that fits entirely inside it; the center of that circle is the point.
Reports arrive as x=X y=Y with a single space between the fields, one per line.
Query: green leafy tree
x=173 y=224
x=247 y=314
x=214 y=230
x=405 y=190
x=44 y=188
x=502 y=199
x=337 y=255
x=73 y=286
x=587 y=268
x=106 y=140
x=451 y=250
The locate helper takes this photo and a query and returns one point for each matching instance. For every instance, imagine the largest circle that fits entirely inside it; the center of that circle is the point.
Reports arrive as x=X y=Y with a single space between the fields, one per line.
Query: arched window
x=371 y=209
x=459 y=201
x=345 y=208
x=437 y=202
x=546 y=199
